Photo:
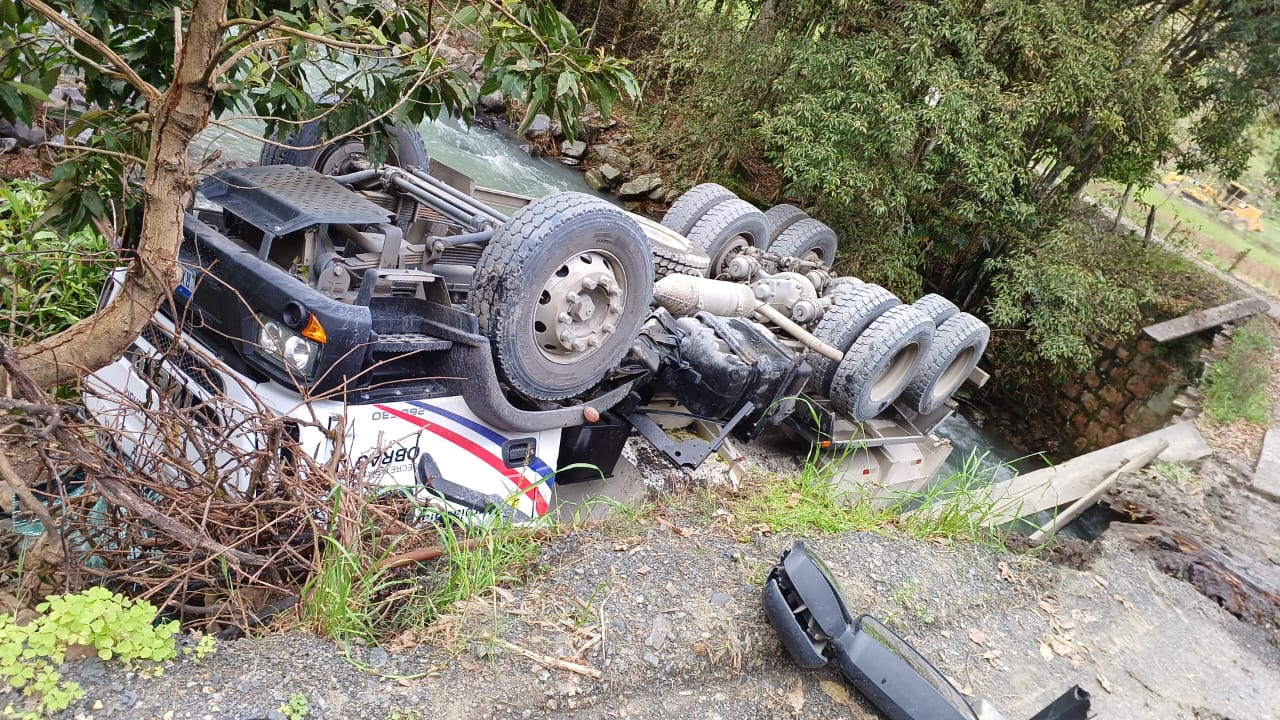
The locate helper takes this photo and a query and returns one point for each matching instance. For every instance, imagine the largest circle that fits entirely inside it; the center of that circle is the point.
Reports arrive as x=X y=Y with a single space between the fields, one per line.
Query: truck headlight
x=286 y=348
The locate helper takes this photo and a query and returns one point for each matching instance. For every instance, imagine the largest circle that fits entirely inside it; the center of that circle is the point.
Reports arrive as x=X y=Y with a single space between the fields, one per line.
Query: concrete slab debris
x=1065 y=483
x=1205 y=319
x=1266 y=474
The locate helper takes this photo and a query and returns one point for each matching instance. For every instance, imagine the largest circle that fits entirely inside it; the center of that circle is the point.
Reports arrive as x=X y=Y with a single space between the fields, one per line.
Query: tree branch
x=147 y=89
x=240 y=54
x=254 y=28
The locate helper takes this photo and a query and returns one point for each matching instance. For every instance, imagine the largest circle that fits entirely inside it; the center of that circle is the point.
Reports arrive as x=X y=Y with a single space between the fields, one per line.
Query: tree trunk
x=768 y=22
x=177 y=115
x=1124 y=203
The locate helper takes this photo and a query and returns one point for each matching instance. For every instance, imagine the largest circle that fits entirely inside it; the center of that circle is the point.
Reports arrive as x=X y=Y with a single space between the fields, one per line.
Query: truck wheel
x=726 y=230
x=852 y=310
x=1240 y=224
x=781 y=217
x=561 y=291
x=957 y=347
x=936 y=307
x=673 y=253
x=407 y=150
x=880 y=363
x=807 y=239
x=1226 y=217
x=693 y=204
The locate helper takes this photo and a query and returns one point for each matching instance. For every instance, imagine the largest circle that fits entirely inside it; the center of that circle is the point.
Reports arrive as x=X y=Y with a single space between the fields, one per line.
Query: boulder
x=25 y=135
x=659 y=194
x=610 y=173
x=643 y=162
x=640 y=186
x=492 y=101
x=596 y=180
x=612 y=156
x=573 y=148
x=541 y=124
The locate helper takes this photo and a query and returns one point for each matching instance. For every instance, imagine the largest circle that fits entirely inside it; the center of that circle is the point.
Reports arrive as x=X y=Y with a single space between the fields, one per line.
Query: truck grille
x=194 y=367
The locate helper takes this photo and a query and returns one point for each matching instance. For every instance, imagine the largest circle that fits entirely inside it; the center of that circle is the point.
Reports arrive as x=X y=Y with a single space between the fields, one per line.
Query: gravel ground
x=673 y=626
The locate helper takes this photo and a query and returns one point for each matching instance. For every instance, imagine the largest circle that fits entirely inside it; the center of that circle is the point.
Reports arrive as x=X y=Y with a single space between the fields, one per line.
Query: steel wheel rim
x=579 y=307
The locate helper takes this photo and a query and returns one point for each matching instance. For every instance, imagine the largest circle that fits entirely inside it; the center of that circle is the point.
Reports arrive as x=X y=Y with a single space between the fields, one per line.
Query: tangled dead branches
x=210 y=508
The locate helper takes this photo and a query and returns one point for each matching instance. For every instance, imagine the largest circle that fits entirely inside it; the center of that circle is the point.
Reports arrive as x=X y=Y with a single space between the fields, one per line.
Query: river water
x=500 y=161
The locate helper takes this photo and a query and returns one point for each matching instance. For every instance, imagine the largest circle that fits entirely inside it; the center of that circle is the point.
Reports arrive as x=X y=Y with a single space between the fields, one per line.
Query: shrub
x=48 y=281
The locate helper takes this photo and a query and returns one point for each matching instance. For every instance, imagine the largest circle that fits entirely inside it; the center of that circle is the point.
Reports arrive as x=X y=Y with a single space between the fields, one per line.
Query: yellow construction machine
x=1227 y=199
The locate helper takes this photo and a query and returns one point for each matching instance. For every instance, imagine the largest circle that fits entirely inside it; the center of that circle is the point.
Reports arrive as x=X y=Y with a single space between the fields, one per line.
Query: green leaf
x=567 y=83
x=467 y=16
x=30 y=90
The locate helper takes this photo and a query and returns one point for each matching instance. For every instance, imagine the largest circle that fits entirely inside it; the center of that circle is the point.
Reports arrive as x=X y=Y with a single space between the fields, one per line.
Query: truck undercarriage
x=477 y=358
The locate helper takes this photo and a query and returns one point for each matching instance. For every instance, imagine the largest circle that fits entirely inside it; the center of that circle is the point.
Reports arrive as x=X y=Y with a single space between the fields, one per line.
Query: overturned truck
x=479 y=348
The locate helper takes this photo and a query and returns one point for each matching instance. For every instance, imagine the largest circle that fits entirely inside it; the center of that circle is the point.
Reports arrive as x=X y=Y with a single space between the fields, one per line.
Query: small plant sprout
x=113 y=625
x=297 y=708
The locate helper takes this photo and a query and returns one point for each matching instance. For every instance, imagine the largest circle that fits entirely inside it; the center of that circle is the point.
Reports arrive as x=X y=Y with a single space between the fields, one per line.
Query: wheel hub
x=731 y=249
x=579 y=307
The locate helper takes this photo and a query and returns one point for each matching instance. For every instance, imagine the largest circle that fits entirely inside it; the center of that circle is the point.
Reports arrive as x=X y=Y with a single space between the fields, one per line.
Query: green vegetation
x=48 y=280
x=350 y=596
x=810 y=502
x=1236 y=386
x=297 y=707
x=113 y=625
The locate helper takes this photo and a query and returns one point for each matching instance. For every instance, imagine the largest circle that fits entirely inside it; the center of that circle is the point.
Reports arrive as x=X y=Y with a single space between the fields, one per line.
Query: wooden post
x=1095 y=494
x=1151 y=223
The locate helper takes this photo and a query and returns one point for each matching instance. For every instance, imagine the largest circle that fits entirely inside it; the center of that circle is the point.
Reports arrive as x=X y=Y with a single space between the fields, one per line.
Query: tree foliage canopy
x=949 y=137
x=155 y=78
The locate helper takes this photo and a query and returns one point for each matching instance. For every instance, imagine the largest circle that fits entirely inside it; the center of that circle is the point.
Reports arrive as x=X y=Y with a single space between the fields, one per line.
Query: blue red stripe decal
x=489 y=433
x=493 y=461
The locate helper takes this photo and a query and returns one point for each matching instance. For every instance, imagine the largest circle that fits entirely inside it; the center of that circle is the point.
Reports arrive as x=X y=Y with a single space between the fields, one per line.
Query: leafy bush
x=113 y=625
x=47 y=281
x=1236 y=386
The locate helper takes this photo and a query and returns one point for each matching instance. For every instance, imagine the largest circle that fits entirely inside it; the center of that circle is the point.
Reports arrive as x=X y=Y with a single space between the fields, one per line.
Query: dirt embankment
x=650 y=619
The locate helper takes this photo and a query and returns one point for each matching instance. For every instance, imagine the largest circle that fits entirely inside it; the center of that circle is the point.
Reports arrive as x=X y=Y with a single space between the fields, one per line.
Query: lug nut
x=589 y=283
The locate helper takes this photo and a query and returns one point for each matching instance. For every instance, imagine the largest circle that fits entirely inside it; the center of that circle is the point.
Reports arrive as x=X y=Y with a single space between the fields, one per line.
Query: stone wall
x=1129 y=391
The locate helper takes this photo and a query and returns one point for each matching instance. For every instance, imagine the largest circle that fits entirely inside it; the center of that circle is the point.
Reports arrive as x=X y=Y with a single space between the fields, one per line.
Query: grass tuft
x=1235 y=387
x=957 y=508
x=809 y=502
x=353 y=594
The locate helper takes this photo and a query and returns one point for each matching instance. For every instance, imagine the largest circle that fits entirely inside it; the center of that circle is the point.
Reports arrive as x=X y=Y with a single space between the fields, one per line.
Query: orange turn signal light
x=315 y=331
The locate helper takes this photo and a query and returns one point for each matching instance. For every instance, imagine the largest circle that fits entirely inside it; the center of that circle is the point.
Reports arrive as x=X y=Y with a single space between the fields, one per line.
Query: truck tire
x=673 y=253
x=1240 y=224
x=693 y=204
x=852 y=309
x=1226 y=216
x=957 y=347
x=407 y=149
x=726 y=229
x=807 y=239
x=668 y=262
x=561 y=292
x=880 y=363
x=936 y=307
x=781 y=217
